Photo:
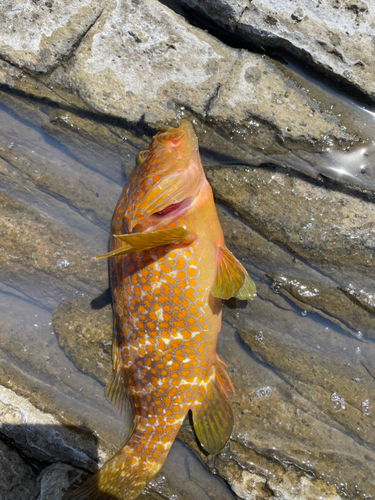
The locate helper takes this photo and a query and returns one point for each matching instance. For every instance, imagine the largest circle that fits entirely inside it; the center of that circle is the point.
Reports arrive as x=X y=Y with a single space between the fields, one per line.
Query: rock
x=273 y=405
x=71 y=116
x=334 y=384
x=330 y=302
x=40 y=436
x=85 y=334
x=334 y=38
x=56 y=30
x=227 y=92
x=328 y=227
x=55 y=253
x=58 y=481
x=17 y=477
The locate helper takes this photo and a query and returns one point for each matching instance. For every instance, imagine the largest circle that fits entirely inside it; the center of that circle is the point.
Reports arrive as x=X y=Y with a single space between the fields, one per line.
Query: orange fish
x=169 y=270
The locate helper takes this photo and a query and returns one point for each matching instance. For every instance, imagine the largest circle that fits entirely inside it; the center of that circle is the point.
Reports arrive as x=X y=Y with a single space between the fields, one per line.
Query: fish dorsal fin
x=117 y=391
x=138 y=242
x=212 y=417
x=232 y=279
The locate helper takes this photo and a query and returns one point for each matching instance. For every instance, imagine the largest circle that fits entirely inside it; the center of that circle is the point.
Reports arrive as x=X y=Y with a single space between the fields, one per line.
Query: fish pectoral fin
x=138 y=242
x=232 y=279
x=213 y=419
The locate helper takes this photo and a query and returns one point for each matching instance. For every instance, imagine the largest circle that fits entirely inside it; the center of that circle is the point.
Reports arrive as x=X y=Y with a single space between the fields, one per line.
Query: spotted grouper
x=170 y=270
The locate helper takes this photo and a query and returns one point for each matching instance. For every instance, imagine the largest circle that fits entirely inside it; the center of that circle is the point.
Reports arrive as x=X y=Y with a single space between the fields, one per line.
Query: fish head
x=166 y=180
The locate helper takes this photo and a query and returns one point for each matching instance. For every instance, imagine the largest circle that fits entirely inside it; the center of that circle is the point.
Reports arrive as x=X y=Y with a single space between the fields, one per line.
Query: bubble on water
x=359 y=335
x=303 y=313
x=326 y=329
x=358 y=350
x=366 y=407
x=259 y=337
x=263 y=392
x=62 y=263
x=337 y=403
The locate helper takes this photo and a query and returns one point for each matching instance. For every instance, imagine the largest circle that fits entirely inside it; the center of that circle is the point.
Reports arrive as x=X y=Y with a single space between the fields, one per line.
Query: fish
x=169 y=271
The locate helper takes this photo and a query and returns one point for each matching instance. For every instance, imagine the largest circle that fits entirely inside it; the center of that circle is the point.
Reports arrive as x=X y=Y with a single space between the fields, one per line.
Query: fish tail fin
x=123 y=477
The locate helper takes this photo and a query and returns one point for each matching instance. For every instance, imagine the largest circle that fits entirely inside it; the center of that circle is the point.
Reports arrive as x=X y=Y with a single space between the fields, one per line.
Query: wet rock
x=58 y=481
x=290 y=437
x=328 y=227
x=37 y=35
x=334 y=387
x=37 y=247
x=361 y=297
x=101 y=145
x=260 y=254
x=17 y=477
x=333 y=37
x=85 y=334
x=330 y=302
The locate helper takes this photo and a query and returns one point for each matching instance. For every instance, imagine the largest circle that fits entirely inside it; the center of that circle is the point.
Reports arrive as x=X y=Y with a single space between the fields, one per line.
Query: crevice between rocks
x=277 y=49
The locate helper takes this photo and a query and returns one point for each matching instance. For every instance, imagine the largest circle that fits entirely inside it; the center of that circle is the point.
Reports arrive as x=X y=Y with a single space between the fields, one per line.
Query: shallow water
x=304 y=374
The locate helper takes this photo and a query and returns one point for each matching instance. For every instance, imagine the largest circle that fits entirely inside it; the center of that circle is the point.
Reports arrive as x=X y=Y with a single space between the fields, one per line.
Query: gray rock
x=333 y=37
x=17 y=477
x=37 y=35
x=328 y=227
x=58 y=481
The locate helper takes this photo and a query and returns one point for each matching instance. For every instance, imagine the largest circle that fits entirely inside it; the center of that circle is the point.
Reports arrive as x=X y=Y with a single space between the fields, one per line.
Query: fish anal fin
x=138 y=242
x=223 y=376
x=213 y=418
x=232 y=279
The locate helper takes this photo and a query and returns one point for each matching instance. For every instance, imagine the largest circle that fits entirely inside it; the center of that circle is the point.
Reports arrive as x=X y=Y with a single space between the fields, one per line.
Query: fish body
x=169 y=271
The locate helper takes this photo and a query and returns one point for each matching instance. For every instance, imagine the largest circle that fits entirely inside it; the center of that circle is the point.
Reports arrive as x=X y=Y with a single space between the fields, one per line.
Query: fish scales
x=166 y=317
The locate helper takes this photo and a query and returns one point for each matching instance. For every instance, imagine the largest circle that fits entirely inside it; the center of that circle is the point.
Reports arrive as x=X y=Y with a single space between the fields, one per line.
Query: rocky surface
x=322 y=224
x=17 y=477
x=58 y=481
x=77 y=103
x=79 y=332
x=335 y=38
x=228 y=92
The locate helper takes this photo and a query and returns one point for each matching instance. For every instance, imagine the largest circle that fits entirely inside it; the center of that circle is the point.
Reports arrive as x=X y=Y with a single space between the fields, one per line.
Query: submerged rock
x=330 y=302
x=85 y=334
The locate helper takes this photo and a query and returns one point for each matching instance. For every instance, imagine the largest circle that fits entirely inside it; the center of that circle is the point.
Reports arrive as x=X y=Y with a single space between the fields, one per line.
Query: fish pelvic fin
x=138 y=242
x=117 y=391
x=212 y=414
x=123 y=477
x=232 y=279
